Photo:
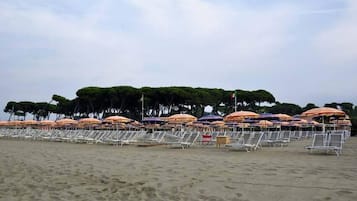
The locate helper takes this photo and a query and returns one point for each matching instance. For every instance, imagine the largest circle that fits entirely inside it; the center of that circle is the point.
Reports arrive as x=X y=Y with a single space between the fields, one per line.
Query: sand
x=33 y=170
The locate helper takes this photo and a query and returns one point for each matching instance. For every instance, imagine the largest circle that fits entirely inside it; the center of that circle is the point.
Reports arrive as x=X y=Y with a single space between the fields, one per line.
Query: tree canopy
x=160 y=101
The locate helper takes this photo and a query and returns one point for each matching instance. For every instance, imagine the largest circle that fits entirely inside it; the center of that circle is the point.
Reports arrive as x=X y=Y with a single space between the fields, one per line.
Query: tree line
x=126 y=101
x=160 y=101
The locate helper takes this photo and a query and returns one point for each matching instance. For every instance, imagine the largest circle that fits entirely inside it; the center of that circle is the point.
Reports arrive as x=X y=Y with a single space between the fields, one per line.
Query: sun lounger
x=327 y=143
x=248 y=142
x=191 y=140
x=178 y=144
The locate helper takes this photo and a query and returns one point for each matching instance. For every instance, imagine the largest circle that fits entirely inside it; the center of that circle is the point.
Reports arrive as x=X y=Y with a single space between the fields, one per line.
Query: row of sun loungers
x=247 y=140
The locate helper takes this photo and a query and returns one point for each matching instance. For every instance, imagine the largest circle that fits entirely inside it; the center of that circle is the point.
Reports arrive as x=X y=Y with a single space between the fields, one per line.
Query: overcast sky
x=301 y=51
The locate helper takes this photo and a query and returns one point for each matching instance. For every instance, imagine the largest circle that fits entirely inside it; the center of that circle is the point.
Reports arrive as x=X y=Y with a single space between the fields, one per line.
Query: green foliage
x=162 y=101
x=39 y=110
x=309 y=106
x=285 y=108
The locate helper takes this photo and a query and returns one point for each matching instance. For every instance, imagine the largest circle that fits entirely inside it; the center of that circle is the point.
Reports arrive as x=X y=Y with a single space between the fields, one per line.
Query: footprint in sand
x=343 y=192
x=150 y=192
x=229 y=187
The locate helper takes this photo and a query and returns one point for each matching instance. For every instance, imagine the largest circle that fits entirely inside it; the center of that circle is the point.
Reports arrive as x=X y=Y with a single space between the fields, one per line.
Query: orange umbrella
x=283 y=117
x=314 y=123
x=65 y=122
x=47 y=123
x=243 y=125
x=136 y=124
x=323 y=111
x=264 y=123
x=284 y=123
x=14 y=123
x=181 y=118
x=217 y=123
x=117 y=119
x=89 y=121
x=29 y=122
x=301 y=121
x=4 y=123
x=240 y=116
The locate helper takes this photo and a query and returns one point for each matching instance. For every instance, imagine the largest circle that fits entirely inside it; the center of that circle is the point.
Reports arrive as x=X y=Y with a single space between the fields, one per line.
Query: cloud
x=278 y=46
x=338 y=44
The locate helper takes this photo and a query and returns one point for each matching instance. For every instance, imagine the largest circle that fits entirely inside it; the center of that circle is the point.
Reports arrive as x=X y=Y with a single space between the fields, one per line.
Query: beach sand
x=33 y=170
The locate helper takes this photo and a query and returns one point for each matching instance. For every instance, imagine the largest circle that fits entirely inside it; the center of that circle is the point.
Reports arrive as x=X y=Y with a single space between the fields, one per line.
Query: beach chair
x=178 y=144
x=255 y=141
x=335 y=143
x=284 y=138
x=248 y=142
x=191 y=140
x=318 y=142
x=327 y=143
x=296 y=135
x=132 y=137
x=273 y=138
x=155 y=137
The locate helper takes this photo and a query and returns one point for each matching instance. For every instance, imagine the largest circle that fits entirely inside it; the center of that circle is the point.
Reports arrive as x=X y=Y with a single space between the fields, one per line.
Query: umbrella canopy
x=117 y=119
x=323 y=111
x=89 y=121
x=240 y=116
x=285 y=123
x=135 y=124
x=217 y=123
x=15 y=123
x=264 y=123
x=314 y=123
x=4 y=123
x=283 y=117
x=211 y=117
x=30 y=122
x=152 y=120
x=47 y=123
x=181 y=118
x=65 y=122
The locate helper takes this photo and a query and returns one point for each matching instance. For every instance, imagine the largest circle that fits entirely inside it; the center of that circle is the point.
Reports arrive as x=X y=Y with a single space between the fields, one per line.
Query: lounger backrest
x=256 y=138
x=336 y=140
x=193 y=137
x=274 y=135
x=318 y=140
x=246 y=138
x=286 y=134
x=265 y=136
x=185 y=137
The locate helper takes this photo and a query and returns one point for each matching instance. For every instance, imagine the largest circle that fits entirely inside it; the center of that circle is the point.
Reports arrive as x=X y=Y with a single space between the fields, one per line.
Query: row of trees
x=126 y=100
x=160 y=101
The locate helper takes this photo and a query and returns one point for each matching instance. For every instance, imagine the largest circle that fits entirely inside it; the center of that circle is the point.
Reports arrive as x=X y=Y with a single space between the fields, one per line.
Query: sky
x=301 y=51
